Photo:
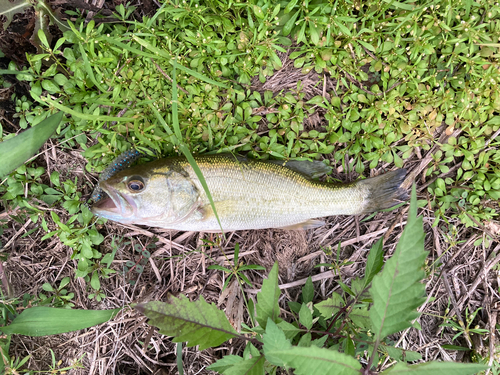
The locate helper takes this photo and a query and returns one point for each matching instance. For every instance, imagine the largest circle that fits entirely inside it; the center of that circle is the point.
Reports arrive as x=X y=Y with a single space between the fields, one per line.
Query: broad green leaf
x=252 y=366
x=436 y=368
x=43 y=321
x=289 y=329
x=8 y=9
x=306 y=361
x=225 y=362
x=360 y=316
x=397 y=290
x=274 y=339
x=17 y=150
x=197 y=323
x=401 y=355
x=268 y=297
x=330 y=306
x=374 y=262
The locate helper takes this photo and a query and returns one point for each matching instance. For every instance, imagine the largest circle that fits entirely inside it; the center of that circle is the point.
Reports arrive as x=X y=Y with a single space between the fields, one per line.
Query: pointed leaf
x=23 y=146
x=330 y=306
x=397 y=291
x=374 y=262
x=308 y=291
x=252 y=366
x=289 y=329
x=225 y=362
x=305 y=316
x=274 y=340
x=436 y=368
x=401 y=355
x=268 y=297
x=306 y=361
x=43 y=321
x=198 y=322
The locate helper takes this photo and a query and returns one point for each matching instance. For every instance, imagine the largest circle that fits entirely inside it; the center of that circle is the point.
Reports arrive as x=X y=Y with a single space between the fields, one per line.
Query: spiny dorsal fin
x=310 y=169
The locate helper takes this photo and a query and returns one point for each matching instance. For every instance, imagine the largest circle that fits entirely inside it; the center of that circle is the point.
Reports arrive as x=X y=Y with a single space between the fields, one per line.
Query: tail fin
x=384 y=191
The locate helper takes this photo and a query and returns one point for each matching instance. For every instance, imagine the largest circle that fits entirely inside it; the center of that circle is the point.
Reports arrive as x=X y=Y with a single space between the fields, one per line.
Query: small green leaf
x=43 y=38
x=289 y=329
x=258 y=12
x=4 y=352
x=47 y=287
x=305 y=316
x=290 y=23
x=308 y=291
x=374 y=262
x=290 y=6
x=94 y=281
x=314 y=33
x=331 y=306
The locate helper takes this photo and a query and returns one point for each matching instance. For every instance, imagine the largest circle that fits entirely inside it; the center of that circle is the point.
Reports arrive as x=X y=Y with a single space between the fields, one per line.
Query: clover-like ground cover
x=364 y=86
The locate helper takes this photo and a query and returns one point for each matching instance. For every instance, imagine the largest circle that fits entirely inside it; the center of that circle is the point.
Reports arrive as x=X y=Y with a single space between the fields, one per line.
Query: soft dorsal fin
x=308 y=224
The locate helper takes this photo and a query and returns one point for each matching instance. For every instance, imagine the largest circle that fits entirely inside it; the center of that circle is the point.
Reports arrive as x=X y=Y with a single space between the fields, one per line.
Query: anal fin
x=308 y=224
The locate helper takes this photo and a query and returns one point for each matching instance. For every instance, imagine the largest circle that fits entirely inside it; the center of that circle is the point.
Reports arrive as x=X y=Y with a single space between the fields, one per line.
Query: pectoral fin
x=308 y=224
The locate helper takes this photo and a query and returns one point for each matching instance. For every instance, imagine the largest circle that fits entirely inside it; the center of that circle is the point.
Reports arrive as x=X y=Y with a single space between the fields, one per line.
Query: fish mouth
x=113 y=205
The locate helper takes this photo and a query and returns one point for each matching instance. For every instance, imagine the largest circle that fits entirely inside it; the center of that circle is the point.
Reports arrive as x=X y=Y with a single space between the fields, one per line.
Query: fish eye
x=136 y=185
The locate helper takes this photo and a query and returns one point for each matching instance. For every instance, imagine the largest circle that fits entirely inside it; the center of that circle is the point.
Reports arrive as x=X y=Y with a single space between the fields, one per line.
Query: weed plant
x=344 y=334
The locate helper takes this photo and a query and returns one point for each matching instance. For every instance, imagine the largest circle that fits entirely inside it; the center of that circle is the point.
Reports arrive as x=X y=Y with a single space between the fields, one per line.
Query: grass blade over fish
x=248 y=194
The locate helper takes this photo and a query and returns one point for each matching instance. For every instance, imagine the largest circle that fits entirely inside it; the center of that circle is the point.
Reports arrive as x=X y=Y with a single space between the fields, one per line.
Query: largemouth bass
x=248 y=194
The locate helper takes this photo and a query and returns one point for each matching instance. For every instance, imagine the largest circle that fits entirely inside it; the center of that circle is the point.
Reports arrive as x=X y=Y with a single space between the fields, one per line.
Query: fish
x=247 y=194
